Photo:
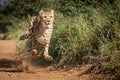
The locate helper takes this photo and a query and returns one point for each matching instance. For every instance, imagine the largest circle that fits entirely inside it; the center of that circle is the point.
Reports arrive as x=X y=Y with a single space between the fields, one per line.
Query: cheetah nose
x=48 y=21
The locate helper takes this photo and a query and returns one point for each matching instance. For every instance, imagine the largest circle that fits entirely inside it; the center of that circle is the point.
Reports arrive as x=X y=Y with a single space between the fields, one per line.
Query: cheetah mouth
x=48 y=23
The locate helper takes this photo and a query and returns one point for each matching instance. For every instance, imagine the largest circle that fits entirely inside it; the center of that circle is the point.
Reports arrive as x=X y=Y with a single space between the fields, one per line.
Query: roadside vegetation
x=86 y=30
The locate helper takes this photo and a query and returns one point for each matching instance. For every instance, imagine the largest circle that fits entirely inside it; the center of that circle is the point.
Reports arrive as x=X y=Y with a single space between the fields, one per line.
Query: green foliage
x=20 y=8
x=18 y=28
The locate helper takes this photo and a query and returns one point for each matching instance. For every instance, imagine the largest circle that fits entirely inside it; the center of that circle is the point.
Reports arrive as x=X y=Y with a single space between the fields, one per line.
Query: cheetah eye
x=44 y=16
x=50 y=16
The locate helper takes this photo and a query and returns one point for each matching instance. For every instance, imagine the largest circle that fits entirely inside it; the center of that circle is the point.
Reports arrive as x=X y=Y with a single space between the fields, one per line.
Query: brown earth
x=8 y=72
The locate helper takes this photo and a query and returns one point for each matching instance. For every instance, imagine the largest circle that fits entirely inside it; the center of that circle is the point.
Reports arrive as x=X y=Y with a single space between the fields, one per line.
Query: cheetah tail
x=23 y=37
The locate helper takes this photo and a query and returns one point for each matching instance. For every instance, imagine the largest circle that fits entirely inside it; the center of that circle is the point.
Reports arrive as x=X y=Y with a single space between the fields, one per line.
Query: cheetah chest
x=45 y=37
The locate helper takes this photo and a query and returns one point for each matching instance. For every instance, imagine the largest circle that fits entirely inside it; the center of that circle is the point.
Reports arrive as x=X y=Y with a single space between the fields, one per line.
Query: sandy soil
x=7 y=54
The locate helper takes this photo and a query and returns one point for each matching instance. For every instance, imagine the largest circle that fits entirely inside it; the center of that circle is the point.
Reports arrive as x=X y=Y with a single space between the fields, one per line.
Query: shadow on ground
x=8 y=65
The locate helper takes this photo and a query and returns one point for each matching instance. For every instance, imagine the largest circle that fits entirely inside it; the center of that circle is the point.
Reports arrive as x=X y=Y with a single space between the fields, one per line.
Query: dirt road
x=8 y=51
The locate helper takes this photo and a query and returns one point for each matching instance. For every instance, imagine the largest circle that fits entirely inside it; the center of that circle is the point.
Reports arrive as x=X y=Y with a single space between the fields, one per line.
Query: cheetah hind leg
x=40 y=51
x=34 y=53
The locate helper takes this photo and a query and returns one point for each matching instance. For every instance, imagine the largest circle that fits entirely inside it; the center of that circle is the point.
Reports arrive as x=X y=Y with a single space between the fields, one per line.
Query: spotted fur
x=40 y=32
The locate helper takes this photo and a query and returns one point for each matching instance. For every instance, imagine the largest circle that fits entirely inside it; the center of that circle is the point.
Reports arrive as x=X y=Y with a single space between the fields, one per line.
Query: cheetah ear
x=52 y=11
x=41 y=12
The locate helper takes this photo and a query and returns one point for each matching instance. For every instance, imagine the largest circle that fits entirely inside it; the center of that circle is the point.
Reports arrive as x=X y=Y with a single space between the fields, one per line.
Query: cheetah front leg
x=46 y=55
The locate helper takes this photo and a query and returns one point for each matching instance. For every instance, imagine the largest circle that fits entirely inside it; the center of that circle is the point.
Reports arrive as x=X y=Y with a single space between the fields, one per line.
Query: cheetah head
x=47 y=17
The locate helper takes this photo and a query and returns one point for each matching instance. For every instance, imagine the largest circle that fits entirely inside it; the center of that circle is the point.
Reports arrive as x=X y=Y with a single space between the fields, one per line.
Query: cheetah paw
x=48 y=58
x=34 y=53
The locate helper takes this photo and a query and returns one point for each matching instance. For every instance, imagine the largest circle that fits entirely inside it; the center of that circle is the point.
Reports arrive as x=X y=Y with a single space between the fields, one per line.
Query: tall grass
x=73 y=38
